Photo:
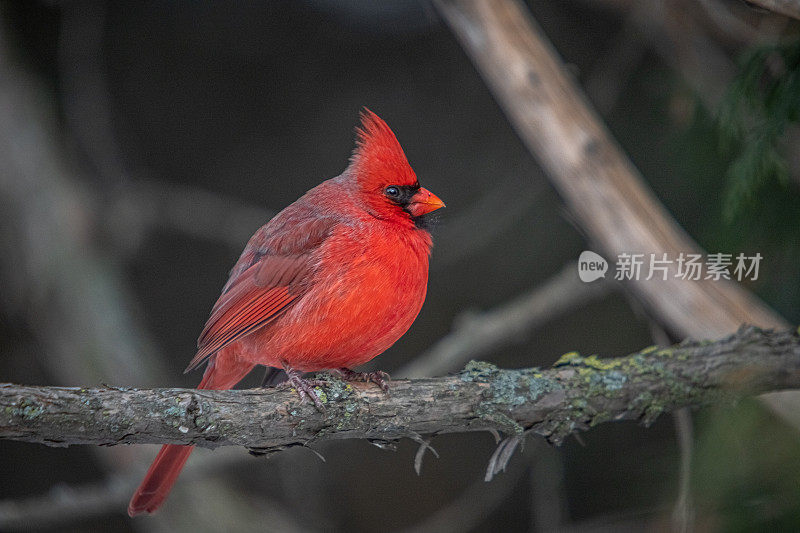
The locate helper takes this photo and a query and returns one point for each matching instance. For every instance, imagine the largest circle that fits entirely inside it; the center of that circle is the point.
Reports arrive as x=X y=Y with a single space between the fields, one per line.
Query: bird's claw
x=377 y=377
x=305 y=387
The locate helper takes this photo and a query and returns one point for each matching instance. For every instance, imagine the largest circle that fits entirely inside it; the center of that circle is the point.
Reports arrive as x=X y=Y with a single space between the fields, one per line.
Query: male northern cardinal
x=329 y=283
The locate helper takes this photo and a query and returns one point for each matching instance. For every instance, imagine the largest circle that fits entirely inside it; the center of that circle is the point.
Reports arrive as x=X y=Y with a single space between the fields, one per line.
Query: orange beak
x=423 y=202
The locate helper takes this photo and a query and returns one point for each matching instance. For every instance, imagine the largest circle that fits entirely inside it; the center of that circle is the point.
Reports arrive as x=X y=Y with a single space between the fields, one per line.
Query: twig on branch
x=578 y=393
x=469 y=509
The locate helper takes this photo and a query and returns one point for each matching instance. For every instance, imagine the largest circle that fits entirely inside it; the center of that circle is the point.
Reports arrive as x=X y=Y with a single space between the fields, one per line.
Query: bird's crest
x=378 y=159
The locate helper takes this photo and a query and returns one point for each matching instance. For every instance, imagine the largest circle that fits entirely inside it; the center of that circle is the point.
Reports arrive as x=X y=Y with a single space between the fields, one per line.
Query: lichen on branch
x=577 y=393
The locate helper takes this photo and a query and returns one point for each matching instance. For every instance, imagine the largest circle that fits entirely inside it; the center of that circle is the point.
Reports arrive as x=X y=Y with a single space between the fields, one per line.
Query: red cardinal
x=329 y=283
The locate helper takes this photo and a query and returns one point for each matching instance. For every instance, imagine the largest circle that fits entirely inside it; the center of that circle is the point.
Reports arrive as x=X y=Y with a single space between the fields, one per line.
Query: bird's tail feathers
x=170 y=460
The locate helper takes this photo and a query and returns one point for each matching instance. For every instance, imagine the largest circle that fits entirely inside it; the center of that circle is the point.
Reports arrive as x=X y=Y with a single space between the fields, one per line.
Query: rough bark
x=577 y=393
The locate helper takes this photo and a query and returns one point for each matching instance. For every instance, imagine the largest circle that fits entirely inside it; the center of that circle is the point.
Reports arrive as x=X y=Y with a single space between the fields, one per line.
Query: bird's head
x=385 y=181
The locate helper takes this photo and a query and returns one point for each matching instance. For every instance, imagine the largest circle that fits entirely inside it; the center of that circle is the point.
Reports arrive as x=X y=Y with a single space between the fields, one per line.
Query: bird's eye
x=392 y=192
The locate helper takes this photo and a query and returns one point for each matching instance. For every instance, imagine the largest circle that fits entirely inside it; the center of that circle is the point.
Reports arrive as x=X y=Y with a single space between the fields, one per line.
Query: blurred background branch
x=597 y=181
x=70 y=291
x=790 y=8
x=601 y=186
x=58 y=279
x=65 y=504
x=476 y=333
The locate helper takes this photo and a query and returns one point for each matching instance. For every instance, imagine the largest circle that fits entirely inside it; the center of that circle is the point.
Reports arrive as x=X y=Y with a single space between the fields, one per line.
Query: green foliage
x=746 y=470
x=756 y=208
x=762 y=101
x=768 y=226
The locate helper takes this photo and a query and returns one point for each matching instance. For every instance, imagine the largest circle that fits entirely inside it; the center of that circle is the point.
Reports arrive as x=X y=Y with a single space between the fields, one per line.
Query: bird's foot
x=378 y=377
x=305 y=387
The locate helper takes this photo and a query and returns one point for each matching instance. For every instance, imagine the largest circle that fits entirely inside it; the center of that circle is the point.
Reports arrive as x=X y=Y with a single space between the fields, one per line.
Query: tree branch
x=574 y=395
x=789 y=8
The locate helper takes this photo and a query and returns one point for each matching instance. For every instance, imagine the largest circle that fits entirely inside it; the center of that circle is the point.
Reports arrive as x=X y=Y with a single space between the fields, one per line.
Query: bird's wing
x=277 y=276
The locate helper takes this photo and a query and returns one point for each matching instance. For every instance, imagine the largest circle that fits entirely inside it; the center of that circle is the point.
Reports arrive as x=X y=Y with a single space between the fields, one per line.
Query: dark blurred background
x=142 y=144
